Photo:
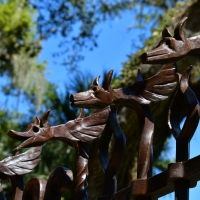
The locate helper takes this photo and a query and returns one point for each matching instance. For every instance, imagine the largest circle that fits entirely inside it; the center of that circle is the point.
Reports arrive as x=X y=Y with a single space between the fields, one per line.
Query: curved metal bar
x=59 y=182
x=82 y=151
x=82 y=171
x=17 y=183
x=146 y=123
x=163 y=183
x=183 y=135
x=111 y=166
x=17 y=186
x=145 y=155
x=34 y=189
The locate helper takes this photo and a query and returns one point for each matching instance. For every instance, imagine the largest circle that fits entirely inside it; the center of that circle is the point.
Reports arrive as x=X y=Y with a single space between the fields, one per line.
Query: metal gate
x=179 y=176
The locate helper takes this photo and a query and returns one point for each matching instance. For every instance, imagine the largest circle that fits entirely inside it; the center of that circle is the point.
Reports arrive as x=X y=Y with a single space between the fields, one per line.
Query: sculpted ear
x=184 y=79
x=166 y=33
x=96 y=81
x=178 y=32
x=45 y=116
x=107 y=81
x=36 y=121
x=82 y=113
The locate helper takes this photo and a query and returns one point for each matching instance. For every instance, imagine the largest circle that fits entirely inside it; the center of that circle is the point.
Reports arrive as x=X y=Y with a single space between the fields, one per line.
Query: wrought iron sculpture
x=59 y=182
x=173 y=48
x=75 y=133
x=143 y=91
x=179 y=176
x=80 y=129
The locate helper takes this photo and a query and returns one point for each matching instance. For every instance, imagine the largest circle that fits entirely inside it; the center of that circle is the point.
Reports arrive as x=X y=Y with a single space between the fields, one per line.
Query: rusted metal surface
x=163 y=183
x=111 y=166
x=20 y=164
x=155 y=88
x=173 y=48
x=34 y=189
x=184 y=135
x=81 y=129
x=103 y=123
x=75 y=132
x=59 y=182
x=12 y=168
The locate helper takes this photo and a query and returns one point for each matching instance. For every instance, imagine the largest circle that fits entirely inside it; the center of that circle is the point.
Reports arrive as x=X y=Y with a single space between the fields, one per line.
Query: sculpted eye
x=94 y=89
x=35 y=129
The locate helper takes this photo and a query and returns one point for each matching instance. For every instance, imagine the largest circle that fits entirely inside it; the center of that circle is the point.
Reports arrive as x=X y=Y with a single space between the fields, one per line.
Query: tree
x=19 y=48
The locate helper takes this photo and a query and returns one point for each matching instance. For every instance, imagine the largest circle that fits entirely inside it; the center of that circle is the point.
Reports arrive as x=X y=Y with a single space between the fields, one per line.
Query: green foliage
x=19 y=49
x=16 y=24
x=7 y=123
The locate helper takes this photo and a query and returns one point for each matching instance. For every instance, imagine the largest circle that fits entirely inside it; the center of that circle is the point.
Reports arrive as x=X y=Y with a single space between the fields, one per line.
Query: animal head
x=36 y=134
x=170 y=48
x=96 y=96
x=81 y=129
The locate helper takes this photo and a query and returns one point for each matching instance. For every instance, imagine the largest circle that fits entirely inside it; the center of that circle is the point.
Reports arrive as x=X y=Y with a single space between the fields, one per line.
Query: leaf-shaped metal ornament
x=22 y=163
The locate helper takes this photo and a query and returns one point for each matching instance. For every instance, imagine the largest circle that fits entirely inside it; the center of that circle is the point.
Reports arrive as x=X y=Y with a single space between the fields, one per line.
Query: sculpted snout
x=82 y=99
x=29 y=138
x=171 y=48
x=158 y=55
x=90 y=99
x=166 y=52
x=81 y=96
x=36 y=134
x=21 y=136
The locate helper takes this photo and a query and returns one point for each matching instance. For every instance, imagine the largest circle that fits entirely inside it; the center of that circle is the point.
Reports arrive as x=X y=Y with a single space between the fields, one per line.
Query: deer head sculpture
x=146 y=91
x=81 y=129
x=96 y=96
x=173 y=48
x=36 y=134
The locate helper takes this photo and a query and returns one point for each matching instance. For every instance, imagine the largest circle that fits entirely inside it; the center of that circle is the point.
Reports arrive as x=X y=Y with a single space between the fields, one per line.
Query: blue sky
x=114 y=44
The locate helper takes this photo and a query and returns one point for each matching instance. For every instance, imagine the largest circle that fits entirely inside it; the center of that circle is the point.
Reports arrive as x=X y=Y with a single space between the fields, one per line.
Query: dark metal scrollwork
x=34 y=189
x=184 y=135
x=111 y=166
